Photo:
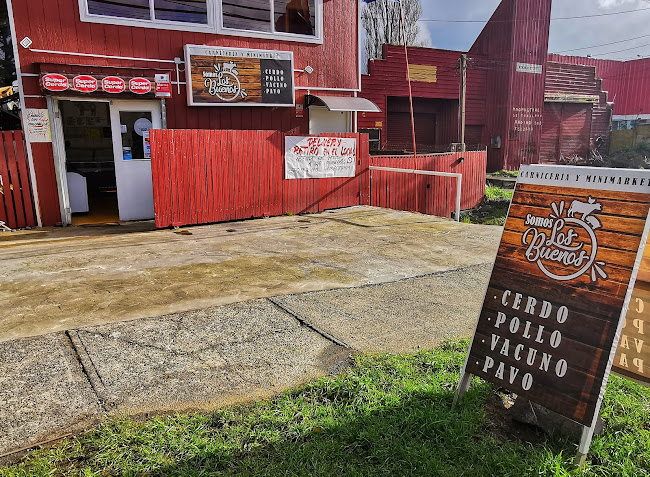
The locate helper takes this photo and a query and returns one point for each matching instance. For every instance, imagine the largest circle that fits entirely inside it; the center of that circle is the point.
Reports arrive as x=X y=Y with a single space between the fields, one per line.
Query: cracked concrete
x=232 y=313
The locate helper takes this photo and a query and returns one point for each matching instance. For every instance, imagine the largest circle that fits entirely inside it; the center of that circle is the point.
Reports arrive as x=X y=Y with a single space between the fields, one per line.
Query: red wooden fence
x=16 y=204
x=429 y=194
x=205 y=176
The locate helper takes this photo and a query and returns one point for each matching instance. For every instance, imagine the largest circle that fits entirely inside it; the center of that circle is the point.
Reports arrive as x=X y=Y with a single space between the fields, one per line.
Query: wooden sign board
x=633 y=353
x=238 y=77
x=561 y=283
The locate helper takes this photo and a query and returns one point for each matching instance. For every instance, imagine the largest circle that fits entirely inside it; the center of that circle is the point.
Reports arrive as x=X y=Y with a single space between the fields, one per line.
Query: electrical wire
x=603 y=44
x=537 y=19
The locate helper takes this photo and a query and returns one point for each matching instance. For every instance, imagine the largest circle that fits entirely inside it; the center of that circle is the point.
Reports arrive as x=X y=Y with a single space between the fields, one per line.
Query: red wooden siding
x=386 y=83
x=428 y=194
x=626 y=82
x=212 y=176
x=16 y=204
x=56 y=25
x=205 y=176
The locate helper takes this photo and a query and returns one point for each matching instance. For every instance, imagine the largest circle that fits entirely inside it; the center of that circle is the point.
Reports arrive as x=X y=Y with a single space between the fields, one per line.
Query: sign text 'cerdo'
x=561 y=282
x=239 y=77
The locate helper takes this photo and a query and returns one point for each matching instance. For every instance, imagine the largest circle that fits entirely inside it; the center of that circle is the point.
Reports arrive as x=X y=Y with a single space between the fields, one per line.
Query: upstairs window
x=279 y=16
x=299 y=20
x=188 y=11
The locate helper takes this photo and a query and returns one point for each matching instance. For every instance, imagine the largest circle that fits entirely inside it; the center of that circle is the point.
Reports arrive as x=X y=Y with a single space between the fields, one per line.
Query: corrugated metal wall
x=626 y=82
x=517 y=33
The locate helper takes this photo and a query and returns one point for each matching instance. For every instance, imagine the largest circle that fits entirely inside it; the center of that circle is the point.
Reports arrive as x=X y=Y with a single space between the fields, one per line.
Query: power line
x=603 y=44
x=537 y=19
x=618 y=51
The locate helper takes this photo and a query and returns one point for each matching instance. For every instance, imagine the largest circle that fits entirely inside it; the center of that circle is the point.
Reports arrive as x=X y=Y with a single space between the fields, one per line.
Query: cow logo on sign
x=563 y=246
x=224 y=82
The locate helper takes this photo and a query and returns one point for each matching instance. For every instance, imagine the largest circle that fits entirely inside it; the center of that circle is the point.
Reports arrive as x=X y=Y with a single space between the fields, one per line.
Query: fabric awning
x=336 y=103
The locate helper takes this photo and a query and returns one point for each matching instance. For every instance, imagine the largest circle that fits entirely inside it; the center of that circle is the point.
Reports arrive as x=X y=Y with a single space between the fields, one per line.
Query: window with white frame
x=298 y=20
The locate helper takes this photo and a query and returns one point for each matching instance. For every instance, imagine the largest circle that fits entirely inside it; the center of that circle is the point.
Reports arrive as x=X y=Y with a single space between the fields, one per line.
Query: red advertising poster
x=55 y=82
x=84 y=83
x=140 y=85
x=113 y=84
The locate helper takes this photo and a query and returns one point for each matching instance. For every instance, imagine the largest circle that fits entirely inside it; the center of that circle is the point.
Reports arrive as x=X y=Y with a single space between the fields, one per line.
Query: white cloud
x=618 y=3
x=424 y=35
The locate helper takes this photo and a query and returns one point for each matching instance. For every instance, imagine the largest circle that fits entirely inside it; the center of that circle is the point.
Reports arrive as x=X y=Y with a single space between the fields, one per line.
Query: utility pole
x=462 y=100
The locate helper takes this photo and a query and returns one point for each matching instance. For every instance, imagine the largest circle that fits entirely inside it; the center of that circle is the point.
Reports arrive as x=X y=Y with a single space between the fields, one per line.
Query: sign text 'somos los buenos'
x=562 y=278
x=319 y=157
x=236 y=76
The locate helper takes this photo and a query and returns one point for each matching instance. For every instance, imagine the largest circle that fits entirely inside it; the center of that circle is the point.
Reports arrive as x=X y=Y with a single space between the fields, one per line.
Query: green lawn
x=387 y=415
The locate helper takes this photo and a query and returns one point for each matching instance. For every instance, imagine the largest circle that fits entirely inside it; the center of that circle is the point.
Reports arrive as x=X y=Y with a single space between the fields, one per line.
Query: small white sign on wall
x=38 y=125
x=308 y=157
x=529 y=68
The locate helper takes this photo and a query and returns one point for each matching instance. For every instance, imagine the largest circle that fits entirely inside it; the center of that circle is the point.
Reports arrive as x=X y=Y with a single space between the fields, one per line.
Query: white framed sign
x=37 y=122
x=313 y=157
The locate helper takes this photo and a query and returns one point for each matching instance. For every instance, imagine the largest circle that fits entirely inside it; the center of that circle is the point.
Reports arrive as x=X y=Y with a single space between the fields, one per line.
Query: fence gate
x=16 y=200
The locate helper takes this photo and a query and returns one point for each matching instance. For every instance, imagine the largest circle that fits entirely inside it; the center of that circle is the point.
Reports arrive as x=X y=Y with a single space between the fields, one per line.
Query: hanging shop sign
x=561 y=282
x=99 y=84
x=633 y=353
x=319 y=157
x=239 y=77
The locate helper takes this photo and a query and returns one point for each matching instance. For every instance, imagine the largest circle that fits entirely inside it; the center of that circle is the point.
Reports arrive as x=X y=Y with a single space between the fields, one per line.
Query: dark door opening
x=90 y=162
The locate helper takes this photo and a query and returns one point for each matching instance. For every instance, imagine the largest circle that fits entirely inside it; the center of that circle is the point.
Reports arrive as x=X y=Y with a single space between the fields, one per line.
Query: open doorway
x=90 y=164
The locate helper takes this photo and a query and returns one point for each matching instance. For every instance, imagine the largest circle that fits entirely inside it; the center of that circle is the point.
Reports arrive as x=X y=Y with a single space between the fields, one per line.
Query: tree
x=381 y=19
x=7 y=66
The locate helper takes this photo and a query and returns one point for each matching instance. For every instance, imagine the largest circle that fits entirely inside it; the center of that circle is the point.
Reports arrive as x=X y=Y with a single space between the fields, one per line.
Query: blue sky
x=565 y=34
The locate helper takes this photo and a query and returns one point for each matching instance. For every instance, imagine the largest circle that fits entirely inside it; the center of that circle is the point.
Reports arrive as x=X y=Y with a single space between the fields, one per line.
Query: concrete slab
x=397 y=317
x=43 y=391
x=203 y=359
x=65 y=282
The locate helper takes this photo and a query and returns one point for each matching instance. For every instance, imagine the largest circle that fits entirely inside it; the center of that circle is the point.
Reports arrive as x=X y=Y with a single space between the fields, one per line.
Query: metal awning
x=336 y=103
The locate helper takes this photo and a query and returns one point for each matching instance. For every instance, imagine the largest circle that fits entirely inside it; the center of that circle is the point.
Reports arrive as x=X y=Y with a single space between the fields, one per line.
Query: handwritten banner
x=319 y=157
x=561 y=281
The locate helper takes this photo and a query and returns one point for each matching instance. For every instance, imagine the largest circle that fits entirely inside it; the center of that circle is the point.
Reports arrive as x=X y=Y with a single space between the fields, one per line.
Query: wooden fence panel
x=428 y=194
x=16 y=199
x=207 y=176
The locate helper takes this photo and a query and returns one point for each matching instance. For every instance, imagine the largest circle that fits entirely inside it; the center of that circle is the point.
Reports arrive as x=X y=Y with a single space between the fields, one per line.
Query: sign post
x=561 y=284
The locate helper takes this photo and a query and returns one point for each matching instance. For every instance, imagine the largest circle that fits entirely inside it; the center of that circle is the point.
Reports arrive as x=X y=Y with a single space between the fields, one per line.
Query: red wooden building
x=524 y=105
x=103 y=72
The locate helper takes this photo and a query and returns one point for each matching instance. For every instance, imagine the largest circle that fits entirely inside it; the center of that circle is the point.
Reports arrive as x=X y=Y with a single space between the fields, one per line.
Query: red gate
x=16 y=204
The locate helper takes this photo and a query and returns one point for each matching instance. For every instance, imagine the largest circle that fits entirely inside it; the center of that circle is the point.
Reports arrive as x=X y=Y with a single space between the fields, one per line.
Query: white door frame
x=58 y=148
x=58 y=142
x=135 y=165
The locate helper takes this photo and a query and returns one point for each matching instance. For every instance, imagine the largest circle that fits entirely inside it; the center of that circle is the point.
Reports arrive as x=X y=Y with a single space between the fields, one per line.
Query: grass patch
x=495 y=193
x=493 y=210
x=387 y=415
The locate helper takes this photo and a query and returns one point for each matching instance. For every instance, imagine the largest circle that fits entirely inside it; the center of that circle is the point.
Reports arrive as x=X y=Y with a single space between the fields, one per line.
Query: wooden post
x=462 y=100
